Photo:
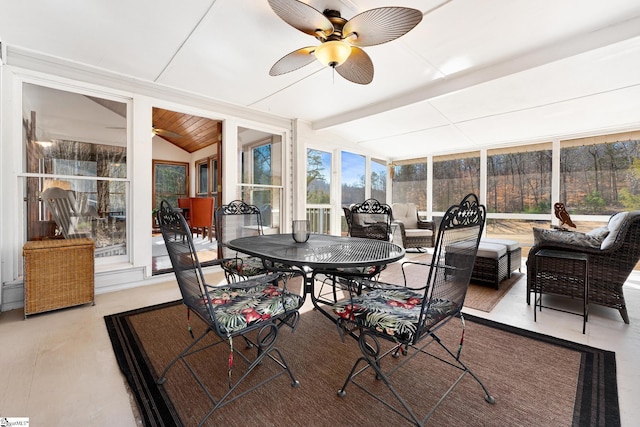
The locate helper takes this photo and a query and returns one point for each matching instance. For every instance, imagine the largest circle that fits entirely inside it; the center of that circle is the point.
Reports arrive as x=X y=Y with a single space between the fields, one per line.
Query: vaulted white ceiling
x=472 y=73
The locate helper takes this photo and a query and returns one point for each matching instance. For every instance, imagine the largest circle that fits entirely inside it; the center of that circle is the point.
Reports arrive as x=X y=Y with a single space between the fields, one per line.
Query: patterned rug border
x=156 y=409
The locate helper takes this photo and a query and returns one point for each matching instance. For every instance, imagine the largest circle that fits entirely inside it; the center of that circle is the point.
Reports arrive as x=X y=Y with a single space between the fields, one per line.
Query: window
x=410 y=183
x=260 y=170
x=379 y=180
x=207 y=178
x=353 y=173
x=78 y=145
x=519 y=179
x=454 y=177
x=170 y=182
x=600 y=175
x=319 y=190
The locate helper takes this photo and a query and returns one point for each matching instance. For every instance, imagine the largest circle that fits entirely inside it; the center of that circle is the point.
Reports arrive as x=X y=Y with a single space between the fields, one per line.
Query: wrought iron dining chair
x=371 y=219
x=347 y=217
x=235 y=220
x=411 y=315
x=229 y=311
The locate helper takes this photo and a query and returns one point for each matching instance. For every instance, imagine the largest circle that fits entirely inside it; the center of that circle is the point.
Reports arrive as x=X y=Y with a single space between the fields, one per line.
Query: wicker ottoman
x=514 y=253
x=491 y=264
x=57 y=273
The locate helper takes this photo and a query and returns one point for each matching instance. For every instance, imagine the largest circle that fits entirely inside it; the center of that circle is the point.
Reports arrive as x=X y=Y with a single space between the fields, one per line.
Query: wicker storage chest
x=58 y=274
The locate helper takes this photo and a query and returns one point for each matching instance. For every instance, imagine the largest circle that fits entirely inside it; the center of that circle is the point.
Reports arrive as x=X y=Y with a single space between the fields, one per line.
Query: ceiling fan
x=154 y=130
x=165 y=133
x=341 y=39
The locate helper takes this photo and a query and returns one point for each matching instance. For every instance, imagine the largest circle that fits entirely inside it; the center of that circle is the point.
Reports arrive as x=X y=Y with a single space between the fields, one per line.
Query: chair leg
x=372 y=358
x=187 y=351
x=265 y=341
x=625 y=315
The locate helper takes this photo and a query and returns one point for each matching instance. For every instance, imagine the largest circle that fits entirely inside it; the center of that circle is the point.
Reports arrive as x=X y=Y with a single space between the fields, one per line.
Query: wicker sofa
x=609 y=268
x=415 y=232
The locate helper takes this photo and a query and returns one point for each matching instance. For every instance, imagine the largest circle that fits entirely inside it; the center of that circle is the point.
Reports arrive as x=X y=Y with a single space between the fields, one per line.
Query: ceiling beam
x=586 y=42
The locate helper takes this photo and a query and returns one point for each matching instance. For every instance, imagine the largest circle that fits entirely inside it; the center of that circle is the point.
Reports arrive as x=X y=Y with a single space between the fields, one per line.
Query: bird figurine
x=563 y=215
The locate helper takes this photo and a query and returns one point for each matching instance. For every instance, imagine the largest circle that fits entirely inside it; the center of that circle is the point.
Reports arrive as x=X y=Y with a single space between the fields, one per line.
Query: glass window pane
x=352 y=176
x=319 y=190
x=70 y=135
x=379 y=180
x=262 y=165
x=318 y=177
x=454 y=178
x=519 y=180
x=410 y=184
x=203 y=178
x=170 y=182
x=601 y=178
x=260 y=154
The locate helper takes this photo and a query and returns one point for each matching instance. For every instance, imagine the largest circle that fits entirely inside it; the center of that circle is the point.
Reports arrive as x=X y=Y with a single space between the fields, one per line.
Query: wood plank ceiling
x=191 y=133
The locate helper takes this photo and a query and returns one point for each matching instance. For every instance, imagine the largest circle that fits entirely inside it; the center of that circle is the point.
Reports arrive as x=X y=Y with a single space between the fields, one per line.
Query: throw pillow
x=575 y=238
x=599 y=233
x=615 y=222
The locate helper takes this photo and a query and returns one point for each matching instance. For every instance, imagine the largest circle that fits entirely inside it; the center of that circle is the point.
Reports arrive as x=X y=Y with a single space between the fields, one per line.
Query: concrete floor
x=59 y=369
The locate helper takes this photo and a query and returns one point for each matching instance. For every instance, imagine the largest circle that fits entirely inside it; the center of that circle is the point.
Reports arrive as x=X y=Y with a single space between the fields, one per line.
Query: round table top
x=320 y=251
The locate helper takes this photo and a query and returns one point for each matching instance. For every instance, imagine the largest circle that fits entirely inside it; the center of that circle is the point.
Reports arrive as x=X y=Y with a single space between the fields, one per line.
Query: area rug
x=535 y=379
x=481 y=296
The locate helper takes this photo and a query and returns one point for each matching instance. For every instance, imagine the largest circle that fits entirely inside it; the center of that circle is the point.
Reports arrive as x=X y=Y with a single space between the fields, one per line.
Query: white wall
x=22 y=67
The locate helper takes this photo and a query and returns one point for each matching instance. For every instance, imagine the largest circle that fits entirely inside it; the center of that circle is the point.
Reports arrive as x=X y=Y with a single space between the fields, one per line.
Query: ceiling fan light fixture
x=333 y=53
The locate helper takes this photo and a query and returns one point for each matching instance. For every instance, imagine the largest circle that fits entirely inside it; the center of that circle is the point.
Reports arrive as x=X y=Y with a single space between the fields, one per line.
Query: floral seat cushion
x=245 y=267
x=237 y=308
x=392 y=311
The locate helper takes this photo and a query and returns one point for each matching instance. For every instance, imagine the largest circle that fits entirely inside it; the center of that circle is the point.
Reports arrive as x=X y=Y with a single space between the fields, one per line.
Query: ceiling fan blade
x=381 y=25
x=292 y=61
x=166 y=133
x=302 y=16
x=358 y=68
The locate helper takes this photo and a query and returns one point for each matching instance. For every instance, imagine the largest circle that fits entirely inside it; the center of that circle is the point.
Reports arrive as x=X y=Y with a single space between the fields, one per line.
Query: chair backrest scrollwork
x=452 y=263
x=371 y=219
x=235 y=220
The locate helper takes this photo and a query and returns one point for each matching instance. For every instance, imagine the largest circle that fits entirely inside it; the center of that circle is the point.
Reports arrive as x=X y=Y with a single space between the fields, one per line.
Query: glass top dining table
x=321 y=253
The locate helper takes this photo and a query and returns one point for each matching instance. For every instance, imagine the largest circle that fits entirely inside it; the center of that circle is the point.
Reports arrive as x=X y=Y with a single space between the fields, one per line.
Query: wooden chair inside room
x=201 y=216
x=184 y=203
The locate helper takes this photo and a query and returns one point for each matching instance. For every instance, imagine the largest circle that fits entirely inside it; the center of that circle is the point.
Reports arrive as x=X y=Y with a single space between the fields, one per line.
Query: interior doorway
x=185 y=139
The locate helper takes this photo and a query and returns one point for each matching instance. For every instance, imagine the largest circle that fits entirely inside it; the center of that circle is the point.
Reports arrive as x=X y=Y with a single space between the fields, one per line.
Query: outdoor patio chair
x=69 y=213
x=229 y=311
x=235 y=220
x=610 y=262
x=416 y=233
x=410 y=315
